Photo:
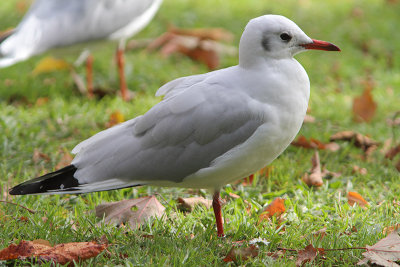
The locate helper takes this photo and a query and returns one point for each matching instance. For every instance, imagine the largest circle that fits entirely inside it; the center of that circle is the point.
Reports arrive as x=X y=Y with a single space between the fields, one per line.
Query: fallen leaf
x=308 y=254
x=242 y=253
x=393 y=122
x=247 y=181
x=309 y=119
x=354 y=197
x=199 y=44
x=385 y=252
x=50 y=64
x=359 y=140
x=188 y=204
x=313 y=143
x=320 y=233
x=357 y=169
x=65 y=159
x=393 y=152
x=41 y=101
x=397 y=165
x=22 y=6
x=364 y=107
x=314 y=178
x=233 y=195
x=209 y=57
x=115 y=118
x=216 y=34
x=276 y=254
x=275 y=208
x=135 y=212
x=40 y=251
x=390 y=229
x=326 y=174
x=39 y=156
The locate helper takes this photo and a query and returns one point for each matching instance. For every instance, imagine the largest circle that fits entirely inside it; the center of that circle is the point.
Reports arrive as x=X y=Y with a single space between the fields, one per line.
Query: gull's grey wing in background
x=179 y=136
x=56 y=23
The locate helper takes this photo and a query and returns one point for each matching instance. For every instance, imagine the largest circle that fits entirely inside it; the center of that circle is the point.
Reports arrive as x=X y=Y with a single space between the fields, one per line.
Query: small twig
x=327 y=249
x=8 y=202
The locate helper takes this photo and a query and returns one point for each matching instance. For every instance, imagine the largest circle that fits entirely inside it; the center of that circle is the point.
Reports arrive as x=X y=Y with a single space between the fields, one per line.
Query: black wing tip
x=57 y=181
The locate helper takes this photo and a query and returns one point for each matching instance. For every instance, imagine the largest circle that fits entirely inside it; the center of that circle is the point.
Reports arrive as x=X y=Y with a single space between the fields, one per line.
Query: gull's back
x=58 y=23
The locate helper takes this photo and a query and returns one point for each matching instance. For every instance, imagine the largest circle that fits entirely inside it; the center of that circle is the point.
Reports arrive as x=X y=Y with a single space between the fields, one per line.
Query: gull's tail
x=54 y=182
x=63 y=181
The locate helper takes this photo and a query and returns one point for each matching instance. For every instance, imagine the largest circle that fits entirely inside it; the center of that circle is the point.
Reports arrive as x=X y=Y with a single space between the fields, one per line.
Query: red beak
x=321 y=45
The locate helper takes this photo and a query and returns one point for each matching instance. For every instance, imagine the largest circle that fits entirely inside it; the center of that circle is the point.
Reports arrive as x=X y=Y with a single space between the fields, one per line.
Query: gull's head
x=274 y=36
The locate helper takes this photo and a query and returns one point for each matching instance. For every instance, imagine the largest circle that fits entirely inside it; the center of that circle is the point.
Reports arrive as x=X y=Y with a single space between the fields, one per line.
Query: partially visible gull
x=59 y=23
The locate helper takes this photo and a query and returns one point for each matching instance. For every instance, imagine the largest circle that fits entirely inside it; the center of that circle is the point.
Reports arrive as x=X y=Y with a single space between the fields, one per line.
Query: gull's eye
x=285 y=37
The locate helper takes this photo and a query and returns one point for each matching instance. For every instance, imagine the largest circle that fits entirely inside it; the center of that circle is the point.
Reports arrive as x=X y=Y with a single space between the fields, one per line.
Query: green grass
x=68 y=118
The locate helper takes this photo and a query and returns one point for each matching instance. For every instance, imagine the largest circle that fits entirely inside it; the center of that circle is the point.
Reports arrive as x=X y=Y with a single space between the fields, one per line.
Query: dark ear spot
x=265 y=43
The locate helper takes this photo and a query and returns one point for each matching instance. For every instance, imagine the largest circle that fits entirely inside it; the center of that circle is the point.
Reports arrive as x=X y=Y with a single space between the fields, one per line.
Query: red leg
x=121 y=70
x=217 y=211
x=89 y=75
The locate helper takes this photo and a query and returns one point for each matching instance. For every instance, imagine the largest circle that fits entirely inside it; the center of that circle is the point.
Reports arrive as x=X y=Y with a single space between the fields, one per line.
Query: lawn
x=35 y=135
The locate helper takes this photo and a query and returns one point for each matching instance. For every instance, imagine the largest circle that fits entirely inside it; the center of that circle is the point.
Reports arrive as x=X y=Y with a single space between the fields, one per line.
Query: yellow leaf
x=115 y=118
x=50 y=64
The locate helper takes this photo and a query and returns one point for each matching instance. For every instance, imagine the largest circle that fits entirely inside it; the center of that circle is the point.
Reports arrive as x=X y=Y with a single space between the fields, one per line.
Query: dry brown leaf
x=320 y=233
x=357 y=169
x=385 y=252
x=397 y=165
x=188 y=204
x=199 y=44
x=115 y=118
x=393 y=122
x=39 y=156
x=313 y=143
x=242 y=253
x=309 y=119
x=41 y=101
x=135 y=212
x=50 y=64
x=216 y=34
x=390 y=229
x=393 y=152
x=22 y=6
x=359 y=140
x=308 y=254
x=354 y=197
x=65 y=159
x=275 y=208
x=276 y=254
x=233 y=195
x=247 y=181
x=208 y=57
x=314 y=178
x=364 y=106
x=62 y=253
x=326 y=174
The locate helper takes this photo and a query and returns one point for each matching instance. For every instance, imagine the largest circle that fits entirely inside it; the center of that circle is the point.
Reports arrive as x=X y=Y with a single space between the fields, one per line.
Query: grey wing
x=176 y=138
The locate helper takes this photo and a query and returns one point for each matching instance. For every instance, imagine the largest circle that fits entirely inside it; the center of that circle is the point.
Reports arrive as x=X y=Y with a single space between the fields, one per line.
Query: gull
x=209 y=130
x=53 y=24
